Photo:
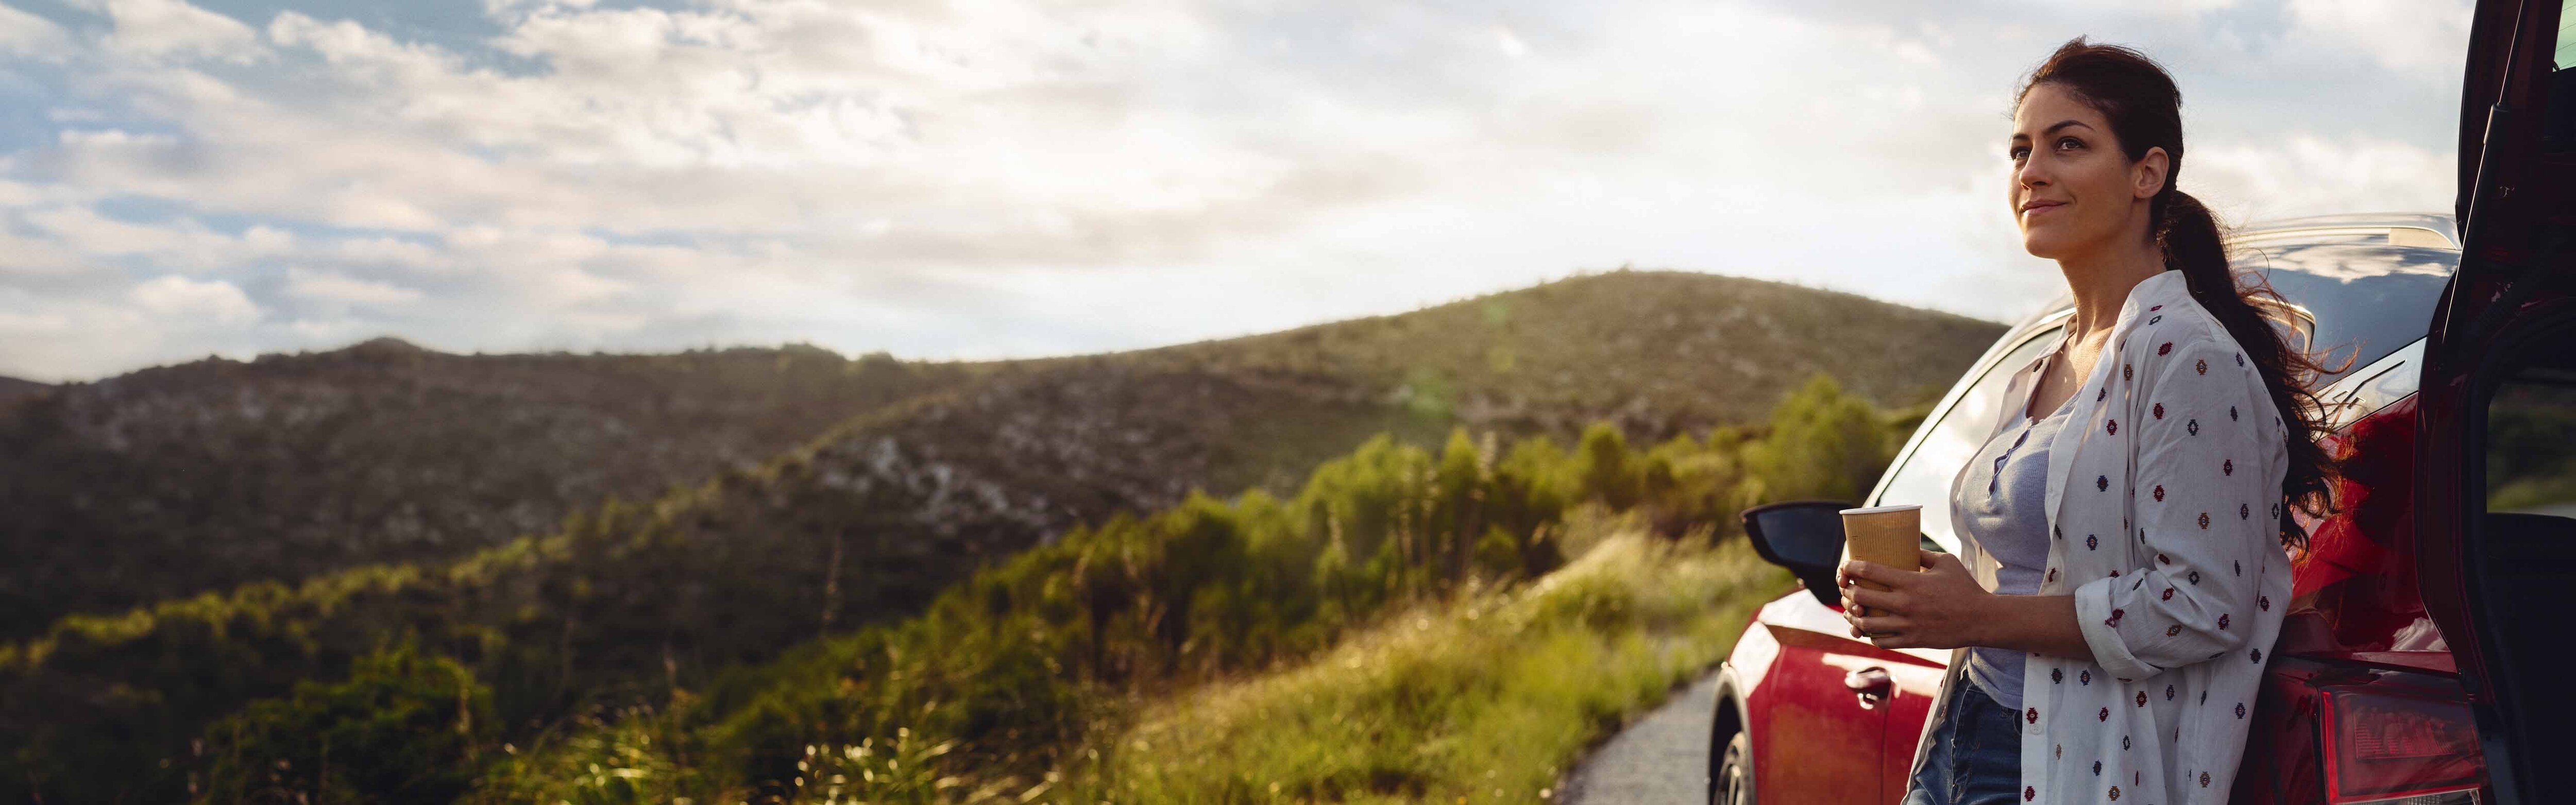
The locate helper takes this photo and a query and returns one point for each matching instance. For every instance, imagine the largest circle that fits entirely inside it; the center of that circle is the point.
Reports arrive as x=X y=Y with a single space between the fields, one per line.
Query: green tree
x=1823 y=444
x=404 y=727
x=1607 y=471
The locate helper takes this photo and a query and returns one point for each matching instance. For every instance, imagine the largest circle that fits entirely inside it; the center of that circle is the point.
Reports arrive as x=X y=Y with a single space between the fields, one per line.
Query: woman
x=2121 y=571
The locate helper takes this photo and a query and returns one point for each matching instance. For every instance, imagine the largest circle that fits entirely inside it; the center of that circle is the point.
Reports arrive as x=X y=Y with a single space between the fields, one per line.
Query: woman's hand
x=1940 y=607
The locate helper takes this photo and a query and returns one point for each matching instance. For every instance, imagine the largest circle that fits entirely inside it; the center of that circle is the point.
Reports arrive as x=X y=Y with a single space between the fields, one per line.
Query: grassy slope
x=224 y=473
x=1658 y=351
x=1488 y=698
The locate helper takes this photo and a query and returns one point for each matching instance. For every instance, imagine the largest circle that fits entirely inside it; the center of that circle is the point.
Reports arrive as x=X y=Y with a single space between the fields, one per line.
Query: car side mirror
x=1805 y=536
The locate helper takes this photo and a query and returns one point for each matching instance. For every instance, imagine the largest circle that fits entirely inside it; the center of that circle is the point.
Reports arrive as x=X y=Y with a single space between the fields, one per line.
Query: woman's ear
x=2148 y=175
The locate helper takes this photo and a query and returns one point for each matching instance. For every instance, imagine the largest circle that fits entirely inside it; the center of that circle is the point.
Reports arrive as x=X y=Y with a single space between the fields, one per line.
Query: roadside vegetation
x=1489 y=609
x=1379 y=636
x=1490 y=696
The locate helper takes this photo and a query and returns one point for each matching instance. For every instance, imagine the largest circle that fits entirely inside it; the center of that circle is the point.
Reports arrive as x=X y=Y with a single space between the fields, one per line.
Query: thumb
x=1931 y=558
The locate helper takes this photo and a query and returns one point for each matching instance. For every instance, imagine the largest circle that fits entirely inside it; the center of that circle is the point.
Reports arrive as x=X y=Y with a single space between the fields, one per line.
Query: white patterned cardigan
x=2163 y=495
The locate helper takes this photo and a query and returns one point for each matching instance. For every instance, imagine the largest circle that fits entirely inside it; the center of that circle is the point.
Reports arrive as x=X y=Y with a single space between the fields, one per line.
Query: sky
x=969 y=179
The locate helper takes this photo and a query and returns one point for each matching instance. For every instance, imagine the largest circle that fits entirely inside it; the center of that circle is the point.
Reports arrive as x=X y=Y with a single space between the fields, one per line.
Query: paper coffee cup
x=1887 y=535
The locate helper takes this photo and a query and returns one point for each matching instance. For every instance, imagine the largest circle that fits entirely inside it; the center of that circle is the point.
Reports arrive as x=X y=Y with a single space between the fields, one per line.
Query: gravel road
x=1660 y=760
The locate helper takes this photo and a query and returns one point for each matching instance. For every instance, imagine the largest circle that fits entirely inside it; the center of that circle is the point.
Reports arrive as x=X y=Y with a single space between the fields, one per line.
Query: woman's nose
x=2030 y=174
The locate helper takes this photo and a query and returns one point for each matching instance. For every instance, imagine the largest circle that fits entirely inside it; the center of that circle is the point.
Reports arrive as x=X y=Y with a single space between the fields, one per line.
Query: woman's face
x=2073 y=192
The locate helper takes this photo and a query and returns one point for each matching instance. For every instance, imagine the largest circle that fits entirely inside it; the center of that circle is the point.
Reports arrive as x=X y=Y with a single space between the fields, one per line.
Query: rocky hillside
x=12 y=388
x=175 y=480
x=172 y=481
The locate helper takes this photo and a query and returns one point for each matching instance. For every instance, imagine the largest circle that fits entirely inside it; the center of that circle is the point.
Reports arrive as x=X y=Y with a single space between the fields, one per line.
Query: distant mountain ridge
x=173 y=480
x=12 y=388
x=1658 y=351
x=202 y=476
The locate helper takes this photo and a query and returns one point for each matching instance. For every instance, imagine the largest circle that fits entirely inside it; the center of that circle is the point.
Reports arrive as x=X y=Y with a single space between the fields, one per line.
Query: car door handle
x=1872 y=684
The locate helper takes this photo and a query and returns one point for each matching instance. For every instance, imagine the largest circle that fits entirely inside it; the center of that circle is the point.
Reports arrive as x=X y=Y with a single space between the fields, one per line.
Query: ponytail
x=2190 y=239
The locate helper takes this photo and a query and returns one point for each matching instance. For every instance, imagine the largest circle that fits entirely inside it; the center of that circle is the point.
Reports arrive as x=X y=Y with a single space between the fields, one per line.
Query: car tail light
x=2399 y=749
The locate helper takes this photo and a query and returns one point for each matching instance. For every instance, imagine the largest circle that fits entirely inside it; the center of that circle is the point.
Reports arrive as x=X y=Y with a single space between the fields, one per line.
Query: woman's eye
x=2065 y=143
x=2016 y=153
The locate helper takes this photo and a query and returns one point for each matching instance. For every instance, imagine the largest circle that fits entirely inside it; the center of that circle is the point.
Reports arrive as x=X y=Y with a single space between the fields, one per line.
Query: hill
x=13 y=388
x=171 y=481
x=946 y=467
x=204 y=476
x=1659 y=352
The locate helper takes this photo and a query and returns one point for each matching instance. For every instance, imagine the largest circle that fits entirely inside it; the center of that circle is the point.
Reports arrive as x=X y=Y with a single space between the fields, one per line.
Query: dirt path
x=1660 y=760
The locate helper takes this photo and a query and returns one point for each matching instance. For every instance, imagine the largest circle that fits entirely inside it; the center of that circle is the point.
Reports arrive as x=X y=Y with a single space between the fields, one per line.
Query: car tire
x=1733 y=784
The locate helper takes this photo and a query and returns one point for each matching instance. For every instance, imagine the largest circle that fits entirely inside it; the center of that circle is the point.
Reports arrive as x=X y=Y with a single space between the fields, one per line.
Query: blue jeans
x=1975 y=756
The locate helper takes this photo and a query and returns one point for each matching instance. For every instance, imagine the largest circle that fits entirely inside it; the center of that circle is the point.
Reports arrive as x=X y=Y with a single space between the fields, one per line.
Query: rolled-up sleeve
x=2202 y=501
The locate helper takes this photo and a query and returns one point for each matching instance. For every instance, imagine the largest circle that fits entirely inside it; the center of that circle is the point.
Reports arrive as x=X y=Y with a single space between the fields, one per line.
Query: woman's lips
x=2034 y=209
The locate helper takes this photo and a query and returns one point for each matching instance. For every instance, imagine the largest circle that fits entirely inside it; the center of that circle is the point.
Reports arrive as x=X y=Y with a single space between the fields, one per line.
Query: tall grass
x=1487 y=697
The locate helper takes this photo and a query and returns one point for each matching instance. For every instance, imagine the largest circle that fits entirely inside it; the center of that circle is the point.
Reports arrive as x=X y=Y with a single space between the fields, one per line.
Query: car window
x=1924 y=476
x=2367 y=298
x=2558 y=124
x=2531 y=434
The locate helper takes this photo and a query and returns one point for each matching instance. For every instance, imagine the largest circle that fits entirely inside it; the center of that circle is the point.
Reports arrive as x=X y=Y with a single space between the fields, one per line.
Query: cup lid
x=1881 y=509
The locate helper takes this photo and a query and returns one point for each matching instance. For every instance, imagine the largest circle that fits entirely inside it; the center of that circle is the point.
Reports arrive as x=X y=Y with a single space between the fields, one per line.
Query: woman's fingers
x=1875 y=600
x=1879 y=630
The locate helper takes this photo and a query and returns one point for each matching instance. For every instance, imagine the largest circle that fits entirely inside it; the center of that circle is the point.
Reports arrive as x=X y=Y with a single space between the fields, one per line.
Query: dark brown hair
x=2144 y=108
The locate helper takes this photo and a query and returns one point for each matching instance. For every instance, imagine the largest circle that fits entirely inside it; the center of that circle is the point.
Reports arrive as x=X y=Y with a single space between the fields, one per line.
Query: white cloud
x=158 y=30
x=1510 y=42
x=326 y=285
x=213 y=301
x=2311 y=174
x=32 y=37
x=2410 y=37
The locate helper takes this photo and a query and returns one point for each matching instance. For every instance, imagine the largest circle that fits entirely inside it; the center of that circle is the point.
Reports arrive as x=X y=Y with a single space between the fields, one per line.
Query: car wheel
x=1734 y=782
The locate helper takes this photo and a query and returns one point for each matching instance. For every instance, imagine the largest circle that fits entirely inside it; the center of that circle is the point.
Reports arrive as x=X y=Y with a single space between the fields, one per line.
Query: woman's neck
x=2101 y=283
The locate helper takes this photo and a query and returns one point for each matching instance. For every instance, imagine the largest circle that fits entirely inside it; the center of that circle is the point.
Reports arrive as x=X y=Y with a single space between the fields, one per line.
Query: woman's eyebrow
x=2052 y=129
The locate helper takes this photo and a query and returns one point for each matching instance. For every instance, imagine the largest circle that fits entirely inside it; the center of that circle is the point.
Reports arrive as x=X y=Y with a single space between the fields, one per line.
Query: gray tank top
x=2002 y=501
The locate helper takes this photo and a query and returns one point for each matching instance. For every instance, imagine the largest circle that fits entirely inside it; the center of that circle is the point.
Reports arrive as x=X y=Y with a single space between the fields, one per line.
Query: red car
x=2416 y=662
